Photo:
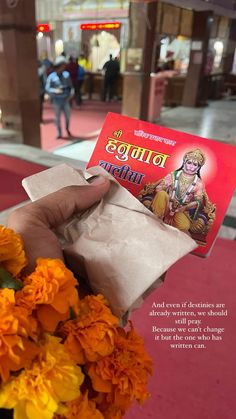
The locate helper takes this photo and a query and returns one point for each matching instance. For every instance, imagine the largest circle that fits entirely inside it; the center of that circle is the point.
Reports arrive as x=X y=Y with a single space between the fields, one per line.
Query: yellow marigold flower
x=12 y=254
x=81 y=408
x=51 y=291
x=123 y=374
x=16 y=349
x=91 y=335
x=36 y=393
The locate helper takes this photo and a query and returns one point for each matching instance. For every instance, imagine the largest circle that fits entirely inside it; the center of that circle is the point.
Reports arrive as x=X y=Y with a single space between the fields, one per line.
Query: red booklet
x=186 y=180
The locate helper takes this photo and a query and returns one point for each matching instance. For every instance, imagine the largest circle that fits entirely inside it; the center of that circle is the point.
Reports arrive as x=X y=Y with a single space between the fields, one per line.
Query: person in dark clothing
x=111 y=71
x=42 y=82
x=72 y=68
x=80 y=82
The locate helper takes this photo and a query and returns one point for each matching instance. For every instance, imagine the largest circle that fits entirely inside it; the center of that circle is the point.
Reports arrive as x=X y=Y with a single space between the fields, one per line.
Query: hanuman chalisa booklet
x=186 y=180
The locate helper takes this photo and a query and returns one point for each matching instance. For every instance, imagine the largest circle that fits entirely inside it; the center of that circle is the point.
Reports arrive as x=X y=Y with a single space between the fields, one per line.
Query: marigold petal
x=66 y=298
x=19 y=411
x=12 y=254
x=49 y=318
x=7 y=296
x=99 y=384
x=75 y=349
x=16 y=327
x=83 y=408
x=33 y=411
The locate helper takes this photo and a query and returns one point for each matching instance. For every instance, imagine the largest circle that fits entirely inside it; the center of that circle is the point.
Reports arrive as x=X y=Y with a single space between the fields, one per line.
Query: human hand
x=181 y=209
x=58 y=90
x=158 y=187
x=36 y=221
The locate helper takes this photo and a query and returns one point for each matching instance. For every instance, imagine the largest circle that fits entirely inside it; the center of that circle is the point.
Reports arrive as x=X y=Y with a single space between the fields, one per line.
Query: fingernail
x=97 y=180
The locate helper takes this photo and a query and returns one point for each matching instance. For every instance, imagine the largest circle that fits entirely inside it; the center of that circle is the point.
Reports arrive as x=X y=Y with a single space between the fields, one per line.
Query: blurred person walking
x=59 y=87
x=111 y=71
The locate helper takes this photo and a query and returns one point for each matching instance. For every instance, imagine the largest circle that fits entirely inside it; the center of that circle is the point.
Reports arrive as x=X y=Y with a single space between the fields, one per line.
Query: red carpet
x=193 y=383
x=85 y=122
x=12 y=171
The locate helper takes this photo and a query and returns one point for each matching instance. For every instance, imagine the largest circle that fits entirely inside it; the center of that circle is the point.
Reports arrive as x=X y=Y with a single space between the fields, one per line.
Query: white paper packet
x=125 y=248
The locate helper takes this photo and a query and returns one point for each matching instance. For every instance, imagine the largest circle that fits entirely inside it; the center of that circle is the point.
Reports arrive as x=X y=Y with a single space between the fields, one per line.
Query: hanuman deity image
x=180 y=199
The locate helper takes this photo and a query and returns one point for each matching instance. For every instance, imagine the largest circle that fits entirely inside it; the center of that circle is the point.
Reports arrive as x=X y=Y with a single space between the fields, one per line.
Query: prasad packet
x=124 y=247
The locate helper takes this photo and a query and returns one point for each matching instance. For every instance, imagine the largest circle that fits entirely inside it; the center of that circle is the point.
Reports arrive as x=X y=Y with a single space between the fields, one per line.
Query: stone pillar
x=228 y=58
x=139 y=60
x=19 y=92
x=196 y=82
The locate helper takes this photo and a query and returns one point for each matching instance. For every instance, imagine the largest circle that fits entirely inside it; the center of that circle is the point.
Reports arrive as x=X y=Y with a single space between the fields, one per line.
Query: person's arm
x=48 y=85
x=104 y=68
x=187 y=207
x=164 y=183
x=70 y=84
x=69 y=88
x=49 y=89
x=197 y=199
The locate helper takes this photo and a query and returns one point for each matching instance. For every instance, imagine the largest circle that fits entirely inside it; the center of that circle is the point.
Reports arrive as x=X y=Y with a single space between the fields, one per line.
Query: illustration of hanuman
x=180 y=199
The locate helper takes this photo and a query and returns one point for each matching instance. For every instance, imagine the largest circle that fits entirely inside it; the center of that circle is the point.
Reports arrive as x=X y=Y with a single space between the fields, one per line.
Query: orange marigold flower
x=123 y=374
x=81 y=408
x=51 y=291
x=39 y=391
x=16 y=350
x=91 y=335
x=12 y=254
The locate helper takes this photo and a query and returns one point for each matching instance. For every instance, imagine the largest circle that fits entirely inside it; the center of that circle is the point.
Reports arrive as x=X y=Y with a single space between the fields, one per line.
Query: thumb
x=57 y=207
x=35 y=222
